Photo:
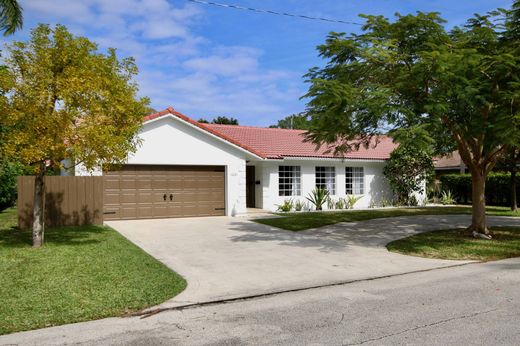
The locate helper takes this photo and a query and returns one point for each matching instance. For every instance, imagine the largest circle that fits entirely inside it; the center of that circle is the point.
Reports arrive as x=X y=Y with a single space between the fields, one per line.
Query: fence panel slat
x=69 y=201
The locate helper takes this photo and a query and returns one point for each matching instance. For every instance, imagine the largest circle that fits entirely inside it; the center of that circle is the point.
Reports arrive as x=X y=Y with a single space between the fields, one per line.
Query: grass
x=80 y=274
x=456 y=245
x=303 y=221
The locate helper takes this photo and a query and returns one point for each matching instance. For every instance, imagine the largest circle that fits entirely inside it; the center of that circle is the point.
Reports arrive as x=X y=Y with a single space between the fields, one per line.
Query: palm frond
x=11 y=18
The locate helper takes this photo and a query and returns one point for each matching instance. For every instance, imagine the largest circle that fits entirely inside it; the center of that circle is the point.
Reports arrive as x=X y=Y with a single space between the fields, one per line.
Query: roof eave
x=170 y=112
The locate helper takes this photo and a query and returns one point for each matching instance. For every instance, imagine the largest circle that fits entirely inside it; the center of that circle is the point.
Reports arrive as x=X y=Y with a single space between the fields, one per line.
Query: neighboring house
x=186 y=168
x=451 y=163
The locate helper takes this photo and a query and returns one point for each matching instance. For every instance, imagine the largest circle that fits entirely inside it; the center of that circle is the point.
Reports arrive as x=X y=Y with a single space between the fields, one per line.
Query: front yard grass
x=455 y=245
x=303 y=221
x=80 y=274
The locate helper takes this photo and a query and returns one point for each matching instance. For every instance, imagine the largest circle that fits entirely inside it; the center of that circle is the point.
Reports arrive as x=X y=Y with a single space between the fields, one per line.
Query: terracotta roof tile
x=450 y=161
x=274 y=143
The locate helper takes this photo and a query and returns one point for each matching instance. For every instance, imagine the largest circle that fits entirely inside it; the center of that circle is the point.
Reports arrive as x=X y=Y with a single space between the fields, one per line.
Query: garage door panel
x=160 y=196
x=176 y=184
x=159 y=182
x=145 y=211
x=160 y=211
x=190 y=209
x=137 y=191
x=175 y=209
x=127 y=183
x=128 y=212
x=111 y=198
x=111 y=184
x=143 y=183
x=145 y=197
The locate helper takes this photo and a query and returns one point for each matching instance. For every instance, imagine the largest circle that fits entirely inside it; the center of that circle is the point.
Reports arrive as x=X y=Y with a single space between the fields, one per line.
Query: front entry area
x=250 y=187
x=157 y=191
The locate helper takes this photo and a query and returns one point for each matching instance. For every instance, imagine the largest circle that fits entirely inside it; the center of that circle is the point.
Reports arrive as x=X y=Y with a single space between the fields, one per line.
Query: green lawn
x=81 y=273
x=303 y=221
x=454 y=244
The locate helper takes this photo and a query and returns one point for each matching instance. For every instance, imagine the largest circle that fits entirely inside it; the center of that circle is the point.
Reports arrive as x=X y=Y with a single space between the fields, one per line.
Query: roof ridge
x=257 y=127
x=277 y=143
x=172 y=111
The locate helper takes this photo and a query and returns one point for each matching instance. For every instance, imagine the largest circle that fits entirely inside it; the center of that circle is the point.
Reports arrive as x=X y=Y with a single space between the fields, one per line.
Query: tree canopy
x=461 y=86
x=298 y=121
x=63 y=101
x=220 y=120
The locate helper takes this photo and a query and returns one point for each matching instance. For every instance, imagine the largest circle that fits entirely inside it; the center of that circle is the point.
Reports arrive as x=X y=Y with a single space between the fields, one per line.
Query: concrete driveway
x=225 y=258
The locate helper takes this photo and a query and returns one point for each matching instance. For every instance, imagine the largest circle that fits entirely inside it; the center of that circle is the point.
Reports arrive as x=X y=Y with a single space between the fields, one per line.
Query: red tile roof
x=202 y=126
x=274 y=143
x=450 y=161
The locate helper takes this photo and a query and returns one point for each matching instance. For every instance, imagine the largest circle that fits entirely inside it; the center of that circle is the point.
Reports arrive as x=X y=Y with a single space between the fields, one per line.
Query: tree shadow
x=255 y=232
x=14 y=237
x=375 y=233
x=55 y=215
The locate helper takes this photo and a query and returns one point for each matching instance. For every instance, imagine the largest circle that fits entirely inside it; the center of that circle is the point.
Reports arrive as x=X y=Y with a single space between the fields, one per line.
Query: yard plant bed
x=303 y=221
x=80 y=274
x=458 y=245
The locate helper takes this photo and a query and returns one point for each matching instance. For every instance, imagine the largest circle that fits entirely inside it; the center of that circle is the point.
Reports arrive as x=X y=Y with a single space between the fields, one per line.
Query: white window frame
x=289 y=181
x=354 y=180
x=325 y=178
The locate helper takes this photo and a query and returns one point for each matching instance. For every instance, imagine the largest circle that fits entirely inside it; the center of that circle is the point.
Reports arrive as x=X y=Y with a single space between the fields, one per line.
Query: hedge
x=498 y=187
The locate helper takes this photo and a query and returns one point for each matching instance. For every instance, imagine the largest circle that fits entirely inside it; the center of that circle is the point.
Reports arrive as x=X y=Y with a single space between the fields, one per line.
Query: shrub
x=341 y=203
x=447 y=198
x=318 y=197
x=286 y=206
x=498 y=187
x=298 y=205
x=352 y=200
x=331 y=203
x=412 y=201
x=385 y=202
x=8 y=173
x=406 y=172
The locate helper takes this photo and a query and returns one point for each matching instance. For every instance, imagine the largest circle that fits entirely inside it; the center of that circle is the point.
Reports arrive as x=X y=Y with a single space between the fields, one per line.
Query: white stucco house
x=186 y=168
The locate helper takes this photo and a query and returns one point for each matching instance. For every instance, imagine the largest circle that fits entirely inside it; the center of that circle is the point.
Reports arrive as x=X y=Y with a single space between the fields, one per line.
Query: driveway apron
x=227 y=258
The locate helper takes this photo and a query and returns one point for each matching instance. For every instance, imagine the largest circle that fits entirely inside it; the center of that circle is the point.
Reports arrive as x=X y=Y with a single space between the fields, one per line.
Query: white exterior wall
x=80 y=170
x=376 y=186
x=170 y=141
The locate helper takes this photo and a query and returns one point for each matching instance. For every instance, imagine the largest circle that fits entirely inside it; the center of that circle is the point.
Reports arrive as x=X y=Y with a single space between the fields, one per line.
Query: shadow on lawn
x=15 y=238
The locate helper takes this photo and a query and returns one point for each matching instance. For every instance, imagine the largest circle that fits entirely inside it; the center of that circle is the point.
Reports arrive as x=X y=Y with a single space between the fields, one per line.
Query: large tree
x=63 y=101
x=461 y=85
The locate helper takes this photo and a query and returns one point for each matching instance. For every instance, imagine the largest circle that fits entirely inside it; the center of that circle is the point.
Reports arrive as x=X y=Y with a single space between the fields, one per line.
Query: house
x=448 y=164
x=185 y=168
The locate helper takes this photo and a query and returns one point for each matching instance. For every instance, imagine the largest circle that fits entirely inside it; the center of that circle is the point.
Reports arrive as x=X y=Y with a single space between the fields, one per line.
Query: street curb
x=150 y=312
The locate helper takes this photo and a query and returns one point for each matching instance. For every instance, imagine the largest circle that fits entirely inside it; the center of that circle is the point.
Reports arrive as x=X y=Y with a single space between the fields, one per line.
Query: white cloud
x=177 y=67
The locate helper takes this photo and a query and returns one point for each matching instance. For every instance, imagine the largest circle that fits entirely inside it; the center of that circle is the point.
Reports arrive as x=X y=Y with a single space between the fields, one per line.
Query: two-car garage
x=164 y=191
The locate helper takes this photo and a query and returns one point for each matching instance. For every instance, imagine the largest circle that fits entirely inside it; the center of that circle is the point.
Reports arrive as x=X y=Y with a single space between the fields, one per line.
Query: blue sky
x=209 y=61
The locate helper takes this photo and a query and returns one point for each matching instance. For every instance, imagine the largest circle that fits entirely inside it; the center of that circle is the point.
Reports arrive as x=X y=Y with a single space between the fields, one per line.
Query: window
x=326 y=179
x=289 y=181
x=354 y=180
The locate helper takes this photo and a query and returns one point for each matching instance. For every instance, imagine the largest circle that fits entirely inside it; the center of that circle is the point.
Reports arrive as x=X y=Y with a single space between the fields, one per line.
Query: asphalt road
x=475 y=304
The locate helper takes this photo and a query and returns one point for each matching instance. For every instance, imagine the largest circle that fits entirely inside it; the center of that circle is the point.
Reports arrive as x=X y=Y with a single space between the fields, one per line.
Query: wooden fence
x=69 y=201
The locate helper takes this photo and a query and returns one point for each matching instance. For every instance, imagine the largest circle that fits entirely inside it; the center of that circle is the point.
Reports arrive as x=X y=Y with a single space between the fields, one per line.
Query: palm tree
x=11 y=18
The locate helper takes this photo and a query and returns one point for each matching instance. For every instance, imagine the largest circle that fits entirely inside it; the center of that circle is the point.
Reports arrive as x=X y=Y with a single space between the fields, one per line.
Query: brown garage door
x=145 y=192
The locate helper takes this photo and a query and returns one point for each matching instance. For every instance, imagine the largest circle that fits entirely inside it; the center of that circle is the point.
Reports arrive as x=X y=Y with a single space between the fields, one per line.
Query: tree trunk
x=514 y=205
x=478 y=199
x=39 y=209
